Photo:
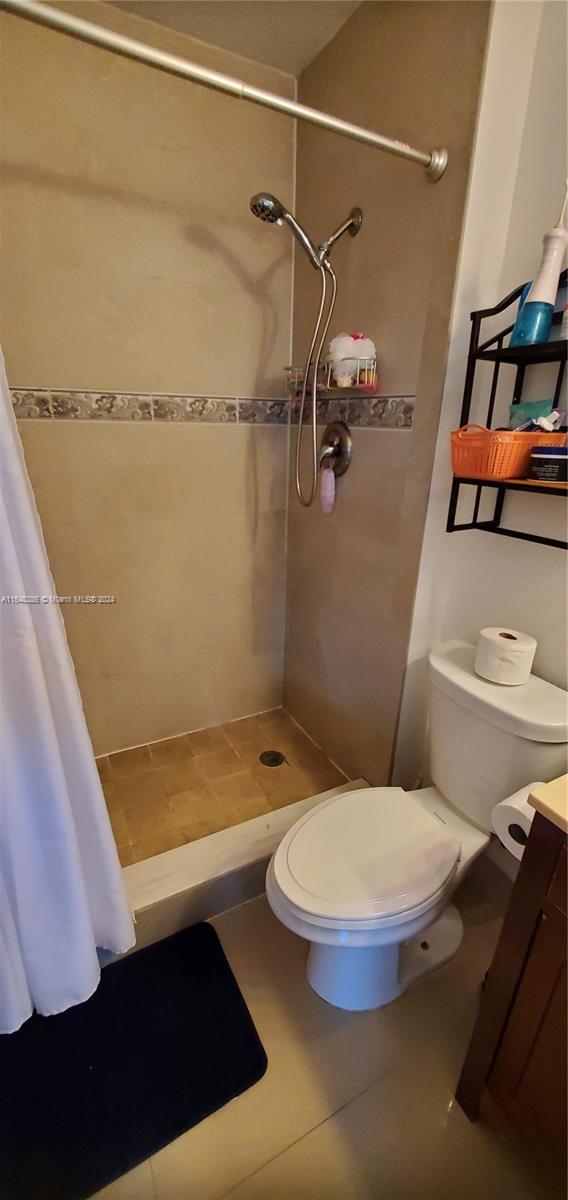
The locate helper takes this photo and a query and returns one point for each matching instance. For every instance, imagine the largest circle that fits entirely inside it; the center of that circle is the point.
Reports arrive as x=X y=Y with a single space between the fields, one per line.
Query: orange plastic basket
x=480 y=453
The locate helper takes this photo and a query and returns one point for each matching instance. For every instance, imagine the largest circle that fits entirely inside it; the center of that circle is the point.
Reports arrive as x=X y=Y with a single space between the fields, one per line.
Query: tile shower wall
x=144 y=305
x=413 y=71
x=140 y=300
x=184 y=524
x=131 y=261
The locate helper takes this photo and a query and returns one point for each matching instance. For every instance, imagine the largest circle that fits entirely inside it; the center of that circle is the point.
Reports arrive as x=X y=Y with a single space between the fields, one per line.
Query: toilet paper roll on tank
x=504 y=655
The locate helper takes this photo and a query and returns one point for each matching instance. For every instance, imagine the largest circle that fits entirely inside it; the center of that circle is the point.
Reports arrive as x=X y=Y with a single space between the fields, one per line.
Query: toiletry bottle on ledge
x=534 y=318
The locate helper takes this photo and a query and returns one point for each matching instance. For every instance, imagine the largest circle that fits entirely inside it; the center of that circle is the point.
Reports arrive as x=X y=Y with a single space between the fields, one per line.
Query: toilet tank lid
x=535 y=710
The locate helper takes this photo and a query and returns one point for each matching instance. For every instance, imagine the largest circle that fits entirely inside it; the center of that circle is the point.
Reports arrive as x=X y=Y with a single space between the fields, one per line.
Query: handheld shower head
x=268 y=208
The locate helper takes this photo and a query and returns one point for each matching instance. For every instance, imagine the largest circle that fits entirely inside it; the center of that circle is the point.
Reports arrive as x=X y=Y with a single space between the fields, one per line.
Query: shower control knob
x=336 y=447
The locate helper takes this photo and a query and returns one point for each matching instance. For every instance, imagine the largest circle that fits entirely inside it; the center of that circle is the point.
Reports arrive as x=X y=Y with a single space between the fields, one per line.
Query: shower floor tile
x=183 y=788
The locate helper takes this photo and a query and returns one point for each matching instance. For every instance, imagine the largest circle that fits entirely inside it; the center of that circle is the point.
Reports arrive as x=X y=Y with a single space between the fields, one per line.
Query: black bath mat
x=86 y=1095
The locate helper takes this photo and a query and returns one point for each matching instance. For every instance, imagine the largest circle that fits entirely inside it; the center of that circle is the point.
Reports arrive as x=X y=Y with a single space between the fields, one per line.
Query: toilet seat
x=365 y=858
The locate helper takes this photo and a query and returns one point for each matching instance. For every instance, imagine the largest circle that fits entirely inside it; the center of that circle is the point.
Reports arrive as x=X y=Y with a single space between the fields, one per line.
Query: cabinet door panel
x=558 y=888
x=528 y=1080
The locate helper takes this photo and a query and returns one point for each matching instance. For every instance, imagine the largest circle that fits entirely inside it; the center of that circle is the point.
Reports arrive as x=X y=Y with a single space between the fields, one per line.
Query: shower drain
x=271 y=758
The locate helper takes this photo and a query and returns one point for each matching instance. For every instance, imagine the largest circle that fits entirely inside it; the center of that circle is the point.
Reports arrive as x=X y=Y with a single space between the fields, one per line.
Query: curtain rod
x=435 y=161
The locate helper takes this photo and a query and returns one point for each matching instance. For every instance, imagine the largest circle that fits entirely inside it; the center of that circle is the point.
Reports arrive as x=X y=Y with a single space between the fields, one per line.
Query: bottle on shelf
x=534 y=318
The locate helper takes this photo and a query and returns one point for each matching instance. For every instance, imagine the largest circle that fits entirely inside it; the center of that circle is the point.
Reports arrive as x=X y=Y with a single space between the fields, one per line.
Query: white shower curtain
x=61 y=887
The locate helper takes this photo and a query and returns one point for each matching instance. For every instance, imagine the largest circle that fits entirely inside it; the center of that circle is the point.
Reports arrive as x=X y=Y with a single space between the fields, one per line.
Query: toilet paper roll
x=505 y=655
x=512 y=820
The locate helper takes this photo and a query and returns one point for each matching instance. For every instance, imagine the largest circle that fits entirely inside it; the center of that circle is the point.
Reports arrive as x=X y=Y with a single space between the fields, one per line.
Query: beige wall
x=131 y=262
x=412 y=71
x=185 y=526
x=471 y=580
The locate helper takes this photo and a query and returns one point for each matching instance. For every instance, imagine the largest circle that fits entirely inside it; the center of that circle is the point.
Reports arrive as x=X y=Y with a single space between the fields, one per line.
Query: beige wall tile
x=352 y=575
x=135 y=270
x=126 y=268
x=130 y=262
x=186 y=527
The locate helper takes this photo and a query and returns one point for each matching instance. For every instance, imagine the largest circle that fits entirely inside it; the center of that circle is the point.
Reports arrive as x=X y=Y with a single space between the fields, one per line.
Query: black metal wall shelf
x=524 y=356
x=502 y=486
x=520 y=357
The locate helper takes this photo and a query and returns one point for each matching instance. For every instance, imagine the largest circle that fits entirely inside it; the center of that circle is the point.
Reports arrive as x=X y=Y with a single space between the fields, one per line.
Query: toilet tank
x=487 y=739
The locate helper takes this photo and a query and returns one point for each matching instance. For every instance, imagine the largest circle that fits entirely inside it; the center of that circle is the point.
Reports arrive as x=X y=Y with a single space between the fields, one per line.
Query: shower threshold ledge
x=201 y=879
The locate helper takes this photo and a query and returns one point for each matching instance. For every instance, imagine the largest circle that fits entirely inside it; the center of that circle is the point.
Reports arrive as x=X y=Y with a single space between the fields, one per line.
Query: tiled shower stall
x=148 y=322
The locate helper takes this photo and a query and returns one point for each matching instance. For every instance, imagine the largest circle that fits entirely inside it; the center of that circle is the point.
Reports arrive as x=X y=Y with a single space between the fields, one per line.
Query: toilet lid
x=363 y=854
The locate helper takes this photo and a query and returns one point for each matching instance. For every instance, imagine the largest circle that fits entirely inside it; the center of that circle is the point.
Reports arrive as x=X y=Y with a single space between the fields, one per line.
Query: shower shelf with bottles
x=362 y=373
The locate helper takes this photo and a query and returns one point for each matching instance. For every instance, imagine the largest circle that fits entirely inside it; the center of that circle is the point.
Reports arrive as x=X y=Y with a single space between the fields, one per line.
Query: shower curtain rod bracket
x=437 y=165
x=55 y=18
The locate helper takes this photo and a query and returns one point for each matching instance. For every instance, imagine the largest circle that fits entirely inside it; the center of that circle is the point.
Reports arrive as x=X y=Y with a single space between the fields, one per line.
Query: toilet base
x=360 y=978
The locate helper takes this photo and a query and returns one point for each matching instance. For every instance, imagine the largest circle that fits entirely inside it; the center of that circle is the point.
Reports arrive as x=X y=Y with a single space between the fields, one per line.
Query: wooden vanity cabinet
x=516 y=1060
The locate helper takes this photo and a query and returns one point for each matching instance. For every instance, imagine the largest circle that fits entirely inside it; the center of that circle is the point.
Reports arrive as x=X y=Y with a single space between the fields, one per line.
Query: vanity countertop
x=552 y=801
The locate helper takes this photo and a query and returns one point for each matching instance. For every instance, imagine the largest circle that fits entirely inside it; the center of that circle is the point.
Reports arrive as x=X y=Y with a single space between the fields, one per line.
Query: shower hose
x=316 y=345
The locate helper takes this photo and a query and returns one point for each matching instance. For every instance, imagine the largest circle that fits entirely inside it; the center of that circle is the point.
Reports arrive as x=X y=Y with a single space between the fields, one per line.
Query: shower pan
x=269 y=209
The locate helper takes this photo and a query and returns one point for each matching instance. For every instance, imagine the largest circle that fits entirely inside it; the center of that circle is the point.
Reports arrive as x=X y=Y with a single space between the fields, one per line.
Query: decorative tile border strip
x=366 y=412
x=363 y=412
x=194 y=408
x=35 y=404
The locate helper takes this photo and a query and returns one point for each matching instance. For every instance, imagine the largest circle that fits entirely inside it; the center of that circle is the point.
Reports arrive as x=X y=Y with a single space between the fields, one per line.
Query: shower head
x=268 y=208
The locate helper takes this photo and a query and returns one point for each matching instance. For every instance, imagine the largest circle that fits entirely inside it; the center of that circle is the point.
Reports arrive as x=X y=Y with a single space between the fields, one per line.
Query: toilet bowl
x=367 y=876
x=361 y=876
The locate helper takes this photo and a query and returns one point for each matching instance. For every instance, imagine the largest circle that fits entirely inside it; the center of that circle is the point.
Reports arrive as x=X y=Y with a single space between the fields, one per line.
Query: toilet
x=367 y=876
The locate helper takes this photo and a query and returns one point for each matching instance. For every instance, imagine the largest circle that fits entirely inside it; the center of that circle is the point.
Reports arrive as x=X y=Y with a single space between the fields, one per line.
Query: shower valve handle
x=327 y=453
x=336 y=447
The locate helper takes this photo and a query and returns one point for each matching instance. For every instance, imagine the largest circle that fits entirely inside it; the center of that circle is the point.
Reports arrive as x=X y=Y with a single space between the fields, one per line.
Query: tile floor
x=175 y=791
x=353 y=1106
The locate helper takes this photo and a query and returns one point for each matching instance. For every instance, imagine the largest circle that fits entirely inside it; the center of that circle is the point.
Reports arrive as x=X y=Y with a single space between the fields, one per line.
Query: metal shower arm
x=352 y=225
x=434 y=161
